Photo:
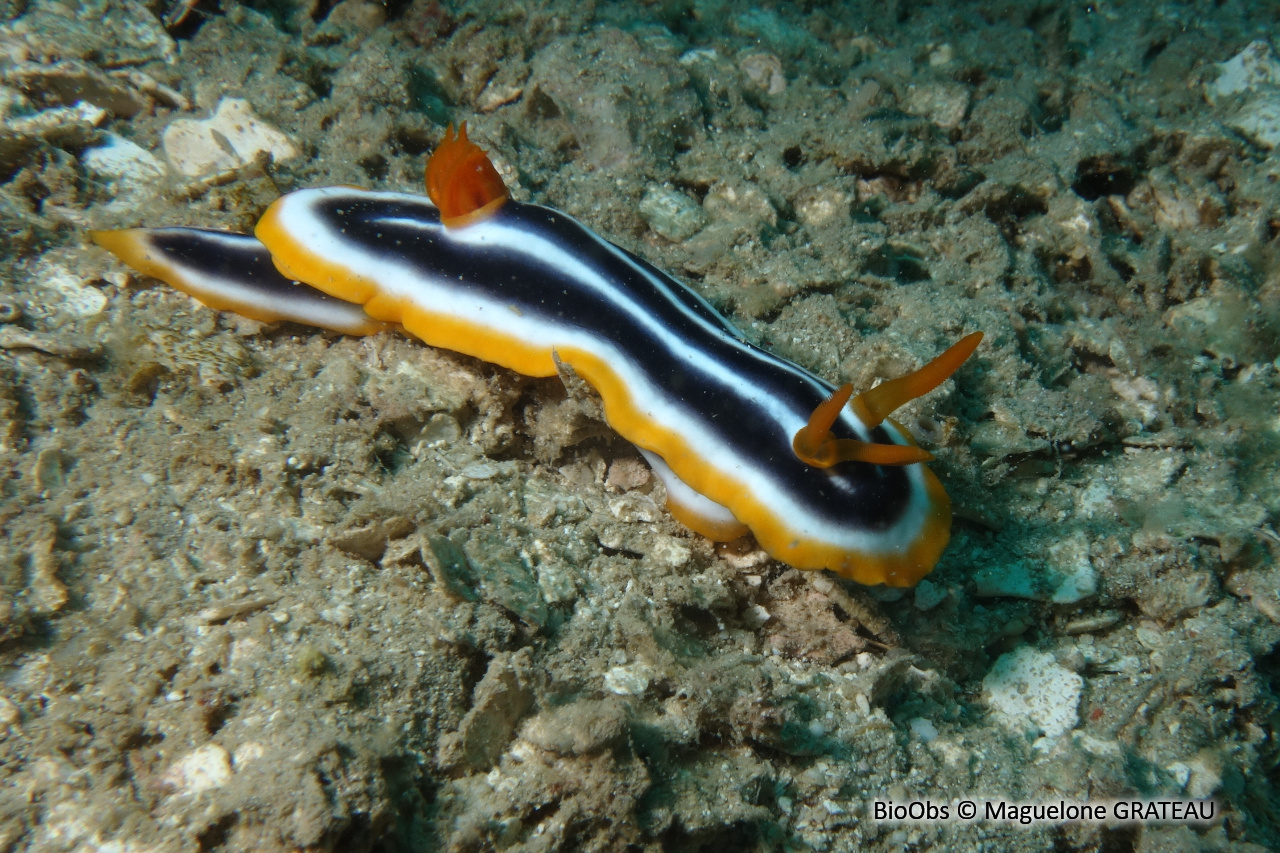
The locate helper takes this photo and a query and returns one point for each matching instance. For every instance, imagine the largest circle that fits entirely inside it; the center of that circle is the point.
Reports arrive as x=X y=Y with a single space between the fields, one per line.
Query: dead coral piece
x=220 y=613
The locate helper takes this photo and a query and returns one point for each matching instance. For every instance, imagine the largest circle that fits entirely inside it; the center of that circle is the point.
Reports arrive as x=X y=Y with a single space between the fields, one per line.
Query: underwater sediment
x=268 y=588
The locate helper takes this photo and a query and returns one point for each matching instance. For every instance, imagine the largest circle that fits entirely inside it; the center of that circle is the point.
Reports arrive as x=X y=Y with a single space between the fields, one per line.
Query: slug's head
x=462 y=182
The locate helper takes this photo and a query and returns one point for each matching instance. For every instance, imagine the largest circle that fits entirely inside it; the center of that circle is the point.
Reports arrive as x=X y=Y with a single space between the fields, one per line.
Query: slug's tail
x=232 y=272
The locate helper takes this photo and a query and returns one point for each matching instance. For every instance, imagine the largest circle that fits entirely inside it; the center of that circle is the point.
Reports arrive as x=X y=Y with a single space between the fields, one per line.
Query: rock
x=450 y=567
x=929 y=595
x=1217 y=323
x=923 y=730
x=1259 y=121
x=1140 y=402
x=998 y=439
x=630 y=680
x=501 y=698
x=944 y=104
x=497 y=95
x=47 y=594
x=111 y=34
x=15 y=337
x=1066 y=577
x=368 y=539
x=201 y=770
x=70 y=126
x=743 y=205
x=353 y=17
x=12 y=102
x=1178 y=593
x=635 y=508
x=132 y=171
x=232 y=138
x=506 y=577
x=10 y=717
x=579 y=81
x=670 y=551
x=1073 y=575
x=803 y=622
x=1204 y=776
x=64 y=292
x=822 y=205
x=1028 y=690
x=1252 y=68
x=581 y=728
x=768 y=28
x=627 y=474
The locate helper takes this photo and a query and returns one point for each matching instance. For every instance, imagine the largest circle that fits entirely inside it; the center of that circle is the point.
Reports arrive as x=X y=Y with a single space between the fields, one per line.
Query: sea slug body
x=744 y=440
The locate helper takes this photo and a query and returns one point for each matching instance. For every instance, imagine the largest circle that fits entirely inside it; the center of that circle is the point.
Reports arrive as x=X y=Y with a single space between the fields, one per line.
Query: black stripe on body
x=235 y=272
x=237 y=260
x=400 y=229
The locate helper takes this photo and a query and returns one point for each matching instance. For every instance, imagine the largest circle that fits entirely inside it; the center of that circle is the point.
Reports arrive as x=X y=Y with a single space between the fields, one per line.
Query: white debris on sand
x=232 y=138
x=1029 y=691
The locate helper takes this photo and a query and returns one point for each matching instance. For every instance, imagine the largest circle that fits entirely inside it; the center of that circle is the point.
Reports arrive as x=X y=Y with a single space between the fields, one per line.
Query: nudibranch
x=742 y=439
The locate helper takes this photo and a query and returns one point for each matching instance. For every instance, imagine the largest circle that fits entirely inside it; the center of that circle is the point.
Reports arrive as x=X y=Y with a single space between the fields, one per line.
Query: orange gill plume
x=462 y=181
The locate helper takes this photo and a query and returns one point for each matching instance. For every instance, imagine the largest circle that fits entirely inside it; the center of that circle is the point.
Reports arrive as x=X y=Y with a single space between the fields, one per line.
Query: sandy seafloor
x=267 y=588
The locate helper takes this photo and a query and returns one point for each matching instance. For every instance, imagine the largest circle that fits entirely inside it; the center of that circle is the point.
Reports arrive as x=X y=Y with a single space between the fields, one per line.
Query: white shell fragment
x=1027 y=689
x=198 y=771
x=232 y=138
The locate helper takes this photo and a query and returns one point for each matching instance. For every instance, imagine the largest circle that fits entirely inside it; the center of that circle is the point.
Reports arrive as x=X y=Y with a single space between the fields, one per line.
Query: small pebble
x=764 y=70
x=672 y=214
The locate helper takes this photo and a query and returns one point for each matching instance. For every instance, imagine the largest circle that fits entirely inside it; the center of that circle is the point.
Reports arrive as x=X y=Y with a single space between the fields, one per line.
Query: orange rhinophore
x=814 y=445
x=462 y=181
x=873 y=406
